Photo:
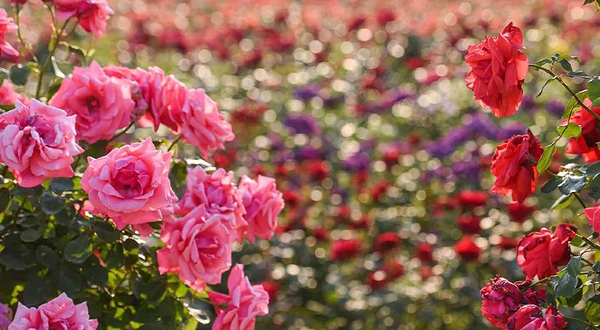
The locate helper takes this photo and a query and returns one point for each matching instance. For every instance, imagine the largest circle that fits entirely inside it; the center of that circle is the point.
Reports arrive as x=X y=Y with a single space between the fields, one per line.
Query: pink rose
x=7 y=26
x=5 y=317
x=131 y=185
x=59 y=313
x=533 y=317
x=140 y=84
x=263 y=203
x=244 y=303
x=498 y=69
x=202 y=125
x=8 y=95
x=593 y=215
x=197 y=247
x=37 y=142
x=93 y=13
x=218 y=193
x=102 y=104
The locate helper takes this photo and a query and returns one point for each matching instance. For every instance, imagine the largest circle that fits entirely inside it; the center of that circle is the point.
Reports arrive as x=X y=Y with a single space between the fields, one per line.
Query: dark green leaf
x=595 y=187
x=78 y=250
x=37 y=291
x=566 y=286
x=566 y=65
x=551 y=185
x=572 y=184
x=594 y=88
x=52 y=204
x=578 y=74
x=15 y=256
x=596 y=267
x=69 y=280
x=106 y=231
x=32 y=234
x=574 y=266
x=47 y=257
x=4 y=199
x=19 y=74
x=61 y=185
x=95 y=274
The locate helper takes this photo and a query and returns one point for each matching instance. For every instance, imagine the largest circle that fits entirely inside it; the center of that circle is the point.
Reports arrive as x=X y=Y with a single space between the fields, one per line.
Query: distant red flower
x=345 y=249
x=467 y=249
x=272 y=289
x=380 y=189
x=424 y=252
x=508 y=243
x=514 y=167
x=291 y=198
x=469 y=224
x=519 y=212
x=386 y=242
x=469 y=199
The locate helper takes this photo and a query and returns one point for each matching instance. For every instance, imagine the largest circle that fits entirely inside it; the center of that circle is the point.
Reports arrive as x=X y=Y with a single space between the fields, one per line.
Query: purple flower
x=302 y=124
x=306 y=93
x=555 y=107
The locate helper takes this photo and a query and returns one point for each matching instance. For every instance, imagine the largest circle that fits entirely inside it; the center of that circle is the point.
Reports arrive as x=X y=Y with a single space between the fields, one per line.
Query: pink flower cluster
x=244 y=303
x=92 y=14
x=131 y=185
x=216 y=214
x=515 y=306
x=168 y=101
x=59 y=313
x=7 y=26
x=37 y=142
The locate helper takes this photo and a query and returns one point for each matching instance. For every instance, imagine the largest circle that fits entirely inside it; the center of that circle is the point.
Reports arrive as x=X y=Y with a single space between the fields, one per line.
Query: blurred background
x=360 y=110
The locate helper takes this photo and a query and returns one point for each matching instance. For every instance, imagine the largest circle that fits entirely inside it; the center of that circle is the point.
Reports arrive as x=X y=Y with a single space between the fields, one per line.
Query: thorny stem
x=175 y=142
x=579 y=199
x=590 y=243
x=562 y=82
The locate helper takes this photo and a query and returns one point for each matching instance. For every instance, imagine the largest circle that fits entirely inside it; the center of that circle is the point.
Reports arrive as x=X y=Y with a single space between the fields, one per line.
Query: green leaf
x=592 y=309
x=19 y=74
x=551 y=185
x=57 y=71
x=562 y=202
x=566 y=65
x=594 y=88
x=36 y=292
x=566 y=286
x=47 y=257
x=15 y=256
x=78 y=250
x=95 y=274
x=546 y=158
x=69 y=280
x=32 y=234
x=543 y=61
x=60 y=185
x=594 y=187
x=106 y=231
x=578 y=242
x=593 y=170
x=573 y=102
x=572 y=184
x=4 y=199
x=578 y=74
x=571 y=130
x=52 y=204
x=574 y=266
x=596 y=267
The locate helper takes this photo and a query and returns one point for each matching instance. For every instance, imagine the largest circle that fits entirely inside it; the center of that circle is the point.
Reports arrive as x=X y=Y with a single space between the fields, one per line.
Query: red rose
x=500 y=298
x=533 y=317
x=498 y=68
x=585 y=144
x=513 y=165
x=469 y=224
x=389 y=272
x=386 y=242
x=541 y=253
x=467 y=249
x=344 y=249
x=508 y=243
x=593 y=215
x=519 y=212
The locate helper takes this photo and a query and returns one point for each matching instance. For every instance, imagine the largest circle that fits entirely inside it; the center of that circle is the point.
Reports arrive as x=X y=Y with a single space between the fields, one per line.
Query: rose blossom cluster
x=515 y=306
x=216 y=214
x=7 y=27
x=91 y=14
x=165 y=100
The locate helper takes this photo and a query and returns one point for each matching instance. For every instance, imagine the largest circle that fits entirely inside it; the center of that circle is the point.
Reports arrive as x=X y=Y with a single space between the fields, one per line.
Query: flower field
x=277 y=164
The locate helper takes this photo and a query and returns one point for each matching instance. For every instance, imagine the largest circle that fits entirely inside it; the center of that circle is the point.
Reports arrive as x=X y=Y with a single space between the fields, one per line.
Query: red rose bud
x=498 y=69
x=470 y=199
x=541 y=253
x=500 y=299
x=513 y=165
x=533 y=317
